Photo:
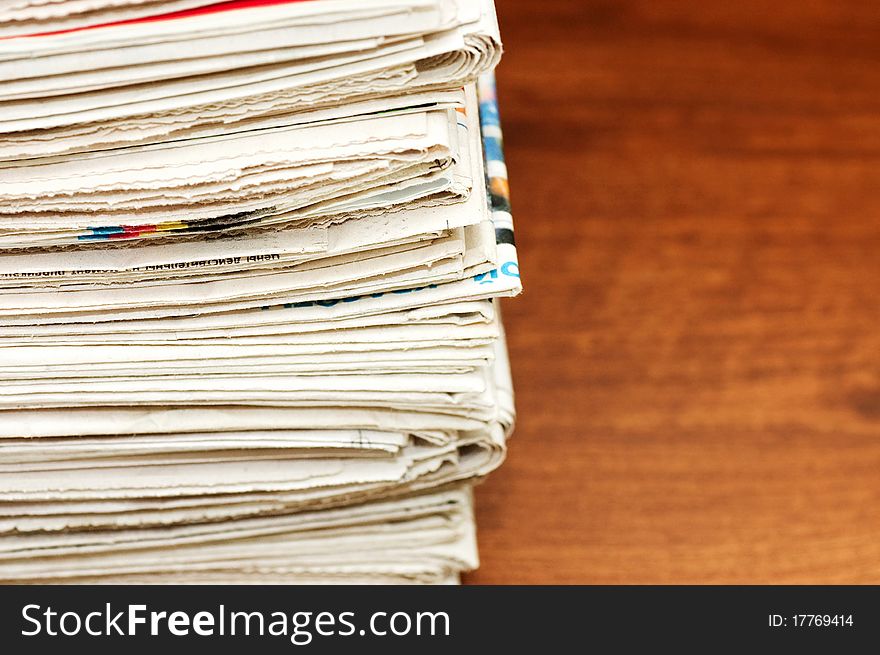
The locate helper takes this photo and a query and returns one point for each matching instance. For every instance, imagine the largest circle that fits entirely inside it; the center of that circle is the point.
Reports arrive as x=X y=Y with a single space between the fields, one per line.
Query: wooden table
x=696 y=189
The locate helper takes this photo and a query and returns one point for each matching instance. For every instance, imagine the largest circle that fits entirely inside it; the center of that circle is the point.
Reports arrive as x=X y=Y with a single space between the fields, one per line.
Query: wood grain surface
x=696 y=190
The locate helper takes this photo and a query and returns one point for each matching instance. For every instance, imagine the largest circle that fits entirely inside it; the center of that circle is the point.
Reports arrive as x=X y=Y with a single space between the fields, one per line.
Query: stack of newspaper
x=248 y=257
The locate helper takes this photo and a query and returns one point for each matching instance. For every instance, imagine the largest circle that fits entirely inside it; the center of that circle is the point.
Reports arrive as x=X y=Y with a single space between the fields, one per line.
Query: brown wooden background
x=696 y=190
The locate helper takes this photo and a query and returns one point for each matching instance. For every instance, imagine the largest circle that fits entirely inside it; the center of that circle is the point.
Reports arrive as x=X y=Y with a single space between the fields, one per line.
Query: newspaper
x=101 y=84
x=250 y=257
x=426 y=538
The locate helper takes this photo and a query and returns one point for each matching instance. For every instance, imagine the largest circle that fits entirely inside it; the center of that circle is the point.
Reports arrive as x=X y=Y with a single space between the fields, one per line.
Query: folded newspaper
x=250 y=257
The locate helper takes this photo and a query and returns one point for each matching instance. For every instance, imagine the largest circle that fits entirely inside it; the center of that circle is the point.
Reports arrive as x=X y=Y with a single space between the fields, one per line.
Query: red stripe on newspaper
x=216 y=8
